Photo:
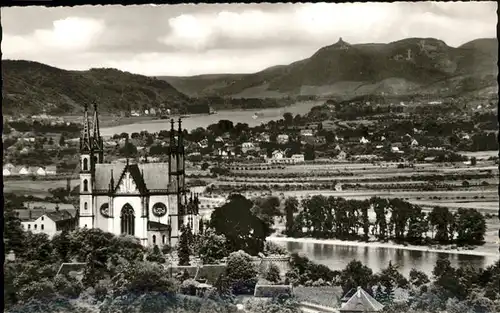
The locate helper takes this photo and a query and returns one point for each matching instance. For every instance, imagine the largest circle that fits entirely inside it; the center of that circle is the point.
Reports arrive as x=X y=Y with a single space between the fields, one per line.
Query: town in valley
x=201 y=174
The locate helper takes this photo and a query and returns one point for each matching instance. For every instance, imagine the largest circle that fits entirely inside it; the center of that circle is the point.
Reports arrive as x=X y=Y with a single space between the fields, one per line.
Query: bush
x=188 y=287
x=241 y=272
x=68 y=286
x=37 y=290
x=273 y=273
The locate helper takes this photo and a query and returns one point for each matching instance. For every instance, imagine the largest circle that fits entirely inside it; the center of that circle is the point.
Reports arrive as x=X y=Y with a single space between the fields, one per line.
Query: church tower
x=87 y=168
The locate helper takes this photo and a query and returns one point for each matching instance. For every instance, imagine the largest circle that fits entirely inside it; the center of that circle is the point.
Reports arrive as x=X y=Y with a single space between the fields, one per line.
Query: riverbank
x=388 y=245
x=117 y=125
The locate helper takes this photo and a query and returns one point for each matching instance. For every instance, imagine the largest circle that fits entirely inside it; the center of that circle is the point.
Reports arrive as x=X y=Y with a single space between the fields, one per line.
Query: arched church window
x=85 y=164
x=154 y=239
x=85 y=185
x=35 y=226
x=127 y=220
x=159 y=209
x=85 y=206
x=164 y=239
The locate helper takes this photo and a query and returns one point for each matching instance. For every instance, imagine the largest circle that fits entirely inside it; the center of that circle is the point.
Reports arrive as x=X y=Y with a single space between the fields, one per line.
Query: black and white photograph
x=253 y=158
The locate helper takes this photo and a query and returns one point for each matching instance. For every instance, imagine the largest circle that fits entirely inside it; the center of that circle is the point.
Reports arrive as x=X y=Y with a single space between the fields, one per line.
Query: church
x=148 y=200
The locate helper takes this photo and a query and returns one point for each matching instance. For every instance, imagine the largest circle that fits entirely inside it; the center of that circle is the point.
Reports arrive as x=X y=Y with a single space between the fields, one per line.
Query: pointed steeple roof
x=179 y=140
x=96 y=133
x=86 y=144
x=361 y=301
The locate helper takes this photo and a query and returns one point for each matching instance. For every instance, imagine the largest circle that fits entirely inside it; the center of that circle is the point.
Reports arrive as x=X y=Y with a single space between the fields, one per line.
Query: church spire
x=95 y=124
x=85 y=140
x=180 y=143
x=172 y=133
x=96 y=136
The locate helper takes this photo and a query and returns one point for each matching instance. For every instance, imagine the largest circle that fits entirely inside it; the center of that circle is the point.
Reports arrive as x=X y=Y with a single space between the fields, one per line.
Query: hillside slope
x=32 y=87
x=409 y=66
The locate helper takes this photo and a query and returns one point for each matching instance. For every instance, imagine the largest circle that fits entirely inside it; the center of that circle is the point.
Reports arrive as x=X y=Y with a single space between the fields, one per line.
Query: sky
x=186 y=40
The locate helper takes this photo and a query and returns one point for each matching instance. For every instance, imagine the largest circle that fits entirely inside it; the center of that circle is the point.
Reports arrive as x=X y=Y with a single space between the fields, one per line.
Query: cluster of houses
x=11 y=170
x=279 y=157
x=41 y=118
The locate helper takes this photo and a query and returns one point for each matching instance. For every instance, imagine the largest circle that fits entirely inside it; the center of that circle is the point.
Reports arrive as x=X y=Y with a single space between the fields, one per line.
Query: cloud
x=67 y=35
x=212 y=61
x=197 y=39
x=323 y=23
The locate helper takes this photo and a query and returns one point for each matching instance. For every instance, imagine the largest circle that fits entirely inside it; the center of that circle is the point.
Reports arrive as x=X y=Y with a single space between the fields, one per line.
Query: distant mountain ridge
x=32 y=87
x=404 y=67
x=411 y=66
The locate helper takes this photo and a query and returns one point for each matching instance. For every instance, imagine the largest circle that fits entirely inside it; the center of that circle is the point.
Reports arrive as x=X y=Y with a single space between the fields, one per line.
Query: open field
x=35 y=187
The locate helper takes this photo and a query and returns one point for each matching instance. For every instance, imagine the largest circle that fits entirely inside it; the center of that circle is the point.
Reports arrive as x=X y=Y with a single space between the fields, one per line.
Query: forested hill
x=32 y=87
x=409 y=66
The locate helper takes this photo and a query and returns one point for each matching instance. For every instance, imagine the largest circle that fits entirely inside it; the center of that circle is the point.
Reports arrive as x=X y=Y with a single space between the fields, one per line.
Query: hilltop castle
x=148 y=200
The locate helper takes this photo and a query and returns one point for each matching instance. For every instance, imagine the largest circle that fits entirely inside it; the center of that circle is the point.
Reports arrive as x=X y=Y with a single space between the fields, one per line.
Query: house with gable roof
x=359 y=301
x=50 y=222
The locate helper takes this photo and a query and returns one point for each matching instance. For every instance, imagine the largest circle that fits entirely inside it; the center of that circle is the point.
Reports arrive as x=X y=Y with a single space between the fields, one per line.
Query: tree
x=142 y=277
x=59 y=194
x=129 y=149
x=241 y=272
x=380 y=206
x=223 y=286
x=309 y=153
x=417 y=225
x=13 y=232
x=62 y=140
x=355 y=275
x=365 y=220
x=418 y=278
x=201 y=227
x=38 y=247
x=291 y=206
x=156 y=256
x=267 y=208
x=288 y=119
x=184 y=243
x=241 y=227
x=442 y=219
x=446 y=279
x=61 y=243
x=473 y=161
x=212 y=247
x=390 y=279
x=470 y=225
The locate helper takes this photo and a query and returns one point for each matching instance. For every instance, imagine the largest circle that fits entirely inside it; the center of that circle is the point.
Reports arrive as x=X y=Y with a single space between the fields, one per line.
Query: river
x=337 y=257
x=203 y=120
